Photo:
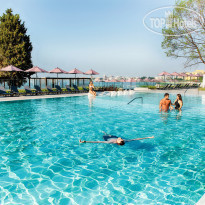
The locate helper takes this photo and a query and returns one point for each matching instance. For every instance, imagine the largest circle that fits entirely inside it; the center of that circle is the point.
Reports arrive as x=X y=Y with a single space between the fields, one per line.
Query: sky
x=104 y=35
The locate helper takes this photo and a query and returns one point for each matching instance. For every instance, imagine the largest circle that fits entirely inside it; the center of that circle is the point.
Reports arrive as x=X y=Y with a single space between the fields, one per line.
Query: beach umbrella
x=91 y=73
x=183 y=75
x=191 y=75
x=36 y=70
x=11 y=68
x=75 y=71
x=113 y=81
x=164 y=74
x=198 y=76
x=57 y=71
x=175 y=74
x=97 y=80
x=130 y=80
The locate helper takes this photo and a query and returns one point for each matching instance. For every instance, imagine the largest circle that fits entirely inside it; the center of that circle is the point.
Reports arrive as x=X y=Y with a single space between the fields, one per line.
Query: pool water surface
x=42 y=162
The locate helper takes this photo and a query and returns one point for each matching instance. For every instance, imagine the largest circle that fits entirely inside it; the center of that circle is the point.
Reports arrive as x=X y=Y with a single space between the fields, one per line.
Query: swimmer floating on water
x=109 y=139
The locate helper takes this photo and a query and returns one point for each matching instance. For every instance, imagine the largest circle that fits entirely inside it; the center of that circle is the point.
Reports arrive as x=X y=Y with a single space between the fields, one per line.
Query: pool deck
x=34 y=97
x=137 y=90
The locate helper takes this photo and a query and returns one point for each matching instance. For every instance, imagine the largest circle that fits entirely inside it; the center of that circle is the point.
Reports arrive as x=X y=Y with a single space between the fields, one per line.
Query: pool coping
x=195 y=92
x=201 y=201
x=9 y=99
x=32 y=97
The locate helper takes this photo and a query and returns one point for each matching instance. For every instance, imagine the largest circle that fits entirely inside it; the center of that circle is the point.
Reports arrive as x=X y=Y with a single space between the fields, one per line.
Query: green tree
x=184 y=41
x=15 y=46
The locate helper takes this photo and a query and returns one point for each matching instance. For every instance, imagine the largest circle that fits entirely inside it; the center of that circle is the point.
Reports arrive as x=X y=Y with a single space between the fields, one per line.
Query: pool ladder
x=135 y=99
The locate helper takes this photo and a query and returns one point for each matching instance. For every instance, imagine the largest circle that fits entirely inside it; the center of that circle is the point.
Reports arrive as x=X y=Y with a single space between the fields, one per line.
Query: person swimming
x=178 y=102
x=110 y=139
x=165 y=104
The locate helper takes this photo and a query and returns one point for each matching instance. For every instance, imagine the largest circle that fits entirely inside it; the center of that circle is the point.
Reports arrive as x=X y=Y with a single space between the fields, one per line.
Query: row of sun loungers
x=58 y=90
x=179 y=86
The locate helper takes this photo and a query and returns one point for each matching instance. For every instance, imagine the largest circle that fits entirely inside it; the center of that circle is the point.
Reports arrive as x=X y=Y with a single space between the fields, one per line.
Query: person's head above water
x=179 y=97
x=166 y=95
x=120 y=141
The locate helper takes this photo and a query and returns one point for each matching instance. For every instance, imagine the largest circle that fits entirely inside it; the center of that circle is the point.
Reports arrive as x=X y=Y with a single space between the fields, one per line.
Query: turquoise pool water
x=41 y=161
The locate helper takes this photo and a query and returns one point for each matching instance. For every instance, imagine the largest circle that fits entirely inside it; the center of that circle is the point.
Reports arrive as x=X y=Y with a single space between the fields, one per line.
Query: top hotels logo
x=183 y=19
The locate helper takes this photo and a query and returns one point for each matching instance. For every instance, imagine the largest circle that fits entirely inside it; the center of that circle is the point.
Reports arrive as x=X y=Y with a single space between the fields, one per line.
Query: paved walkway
x=28 y=97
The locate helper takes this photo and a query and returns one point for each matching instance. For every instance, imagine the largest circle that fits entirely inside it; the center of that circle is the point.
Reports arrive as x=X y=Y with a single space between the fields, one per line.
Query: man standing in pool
x=109 y=139
x=165 y=103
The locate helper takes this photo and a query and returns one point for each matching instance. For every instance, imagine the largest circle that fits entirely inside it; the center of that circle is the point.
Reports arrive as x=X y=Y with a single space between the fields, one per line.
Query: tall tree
x=15 y=46
x=183 y=40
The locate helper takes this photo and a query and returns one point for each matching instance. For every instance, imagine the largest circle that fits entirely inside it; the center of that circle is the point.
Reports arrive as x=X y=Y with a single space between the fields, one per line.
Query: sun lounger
x=4 y=93
x=14 y=90
x=186 y=86
x=69 y=89
x=175 y=87
x=85 y=89
x=77 y=90
x=38 y=90
x=164 y=88
x=29 y=91
x=50 y=90
x=169 y=87
x=59 y=90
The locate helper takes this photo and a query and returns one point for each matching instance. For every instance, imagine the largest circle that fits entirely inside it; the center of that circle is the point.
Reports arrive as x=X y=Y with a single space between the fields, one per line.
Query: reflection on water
x=91 y=99
x=170 y=115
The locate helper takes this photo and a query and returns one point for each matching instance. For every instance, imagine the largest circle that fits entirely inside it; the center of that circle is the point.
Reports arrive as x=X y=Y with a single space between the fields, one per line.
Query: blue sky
x=105 y=35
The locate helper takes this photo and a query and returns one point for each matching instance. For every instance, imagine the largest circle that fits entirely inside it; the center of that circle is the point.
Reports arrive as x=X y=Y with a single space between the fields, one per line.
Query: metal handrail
x=135 y=99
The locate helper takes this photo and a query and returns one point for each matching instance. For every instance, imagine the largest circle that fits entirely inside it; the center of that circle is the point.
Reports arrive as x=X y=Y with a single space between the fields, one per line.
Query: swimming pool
x=42 y=161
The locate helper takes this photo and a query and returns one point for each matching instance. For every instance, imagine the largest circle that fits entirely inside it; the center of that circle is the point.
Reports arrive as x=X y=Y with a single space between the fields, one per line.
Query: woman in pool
x=91 y=89
x=178 y=102
x=109 y=139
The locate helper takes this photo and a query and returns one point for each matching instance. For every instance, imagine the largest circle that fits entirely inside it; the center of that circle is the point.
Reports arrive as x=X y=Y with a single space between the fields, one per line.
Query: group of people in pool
x=166 y=104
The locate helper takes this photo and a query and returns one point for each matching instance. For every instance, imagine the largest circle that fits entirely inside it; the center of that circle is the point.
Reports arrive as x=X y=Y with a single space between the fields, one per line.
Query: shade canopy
x=183 y=74
x=57 y=70
x=198 y=75
x=36 y=69
x=191 y=75
x=75 y=71
x=131 y=80
x=11 y=68
x=146 y=80
x=97 y=80
x=175 y=74
x=164 y=73
x=91 y=72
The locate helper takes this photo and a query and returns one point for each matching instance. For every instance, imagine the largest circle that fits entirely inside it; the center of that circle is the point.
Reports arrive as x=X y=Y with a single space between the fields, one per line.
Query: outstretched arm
x=139 y=139
x=170 y=105
x=93 y=141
